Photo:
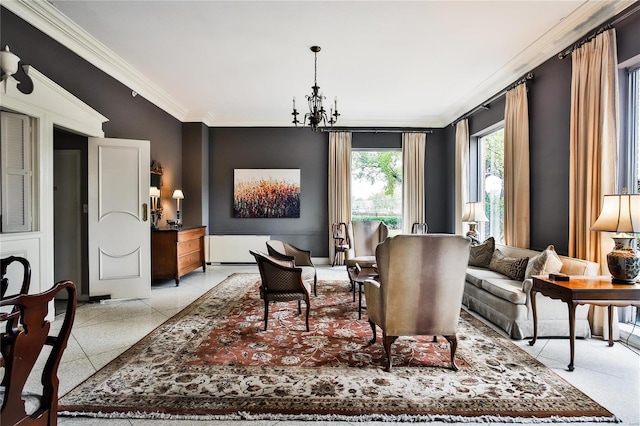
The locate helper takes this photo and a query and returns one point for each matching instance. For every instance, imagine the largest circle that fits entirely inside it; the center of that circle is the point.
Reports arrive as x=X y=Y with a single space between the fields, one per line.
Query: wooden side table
x=580 y=290
x=177 y=251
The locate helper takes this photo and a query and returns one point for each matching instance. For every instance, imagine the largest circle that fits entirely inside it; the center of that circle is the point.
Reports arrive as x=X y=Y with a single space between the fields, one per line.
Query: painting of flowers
x=266 y=193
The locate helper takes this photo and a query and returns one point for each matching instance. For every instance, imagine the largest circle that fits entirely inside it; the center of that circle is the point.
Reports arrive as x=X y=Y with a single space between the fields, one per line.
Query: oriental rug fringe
x=214 y=361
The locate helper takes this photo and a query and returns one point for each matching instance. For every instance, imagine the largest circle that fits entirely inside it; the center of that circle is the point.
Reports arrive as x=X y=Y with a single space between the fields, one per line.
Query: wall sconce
x=156 y=209
x=9 y=63
x=474 y=213
x=178 y=195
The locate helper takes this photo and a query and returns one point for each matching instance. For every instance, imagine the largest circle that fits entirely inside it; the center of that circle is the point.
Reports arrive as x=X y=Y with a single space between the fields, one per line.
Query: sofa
x=506 y=300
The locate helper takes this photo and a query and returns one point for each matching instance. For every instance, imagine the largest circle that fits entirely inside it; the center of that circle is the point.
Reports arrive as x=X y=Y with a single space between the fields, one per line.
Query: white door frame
x=51 y=106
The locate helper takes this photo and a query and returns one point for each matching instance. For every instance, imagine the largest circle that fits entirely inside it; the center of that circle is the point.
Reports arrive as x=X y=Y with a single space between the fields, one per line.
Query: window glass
x=376 y=187
x=491 y=179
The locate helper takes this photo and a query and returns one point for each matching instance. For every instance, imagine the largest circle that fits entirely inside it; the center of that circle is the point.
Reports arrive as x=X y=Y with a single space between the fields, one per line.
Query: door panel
x=119 y=230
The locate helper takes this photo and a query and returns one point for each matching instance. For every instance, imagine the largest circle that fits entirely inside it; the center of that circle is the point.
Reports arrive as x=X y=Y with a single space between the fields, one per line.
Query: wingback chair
x=421 y=281
x=363 y=237
x=301 y=259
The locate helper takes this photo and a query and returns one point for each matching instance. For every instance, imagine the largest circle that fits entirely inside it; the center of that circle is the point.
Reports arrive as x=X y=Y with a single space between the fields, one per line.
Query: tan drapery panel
x=593 y=140
x=339 y=183
x=516 y=168
x=413 y=150
x=462 y=172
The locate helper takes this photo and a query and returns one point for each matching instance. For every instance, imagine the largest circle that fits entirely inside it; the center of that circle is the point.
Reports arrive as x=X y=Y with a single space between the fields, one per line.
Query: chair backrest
x=339 y=233
x=419 y=228
x=22 y=345
x=365 y=235
x=26 y=275
x=422 y=280
x=278 y=275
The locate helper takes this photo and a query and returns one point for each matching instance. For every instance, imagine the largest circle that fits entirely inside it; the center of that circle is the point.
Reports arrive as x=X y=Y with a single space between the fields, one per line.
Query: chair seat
x=363 y=261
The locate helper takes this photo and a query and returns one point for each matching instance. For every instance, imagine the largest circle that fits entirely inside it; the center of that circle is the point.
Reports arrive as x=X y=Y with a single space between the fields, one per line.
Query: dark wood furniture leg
x=610 y=325
x=572 y=331
x=360 y=284
x=535 y=318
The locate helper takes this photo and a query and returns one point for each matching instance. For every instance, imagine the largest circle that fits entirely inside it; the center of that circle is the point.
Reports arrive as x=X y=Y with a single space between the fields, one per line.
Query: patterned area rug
x=213 y=361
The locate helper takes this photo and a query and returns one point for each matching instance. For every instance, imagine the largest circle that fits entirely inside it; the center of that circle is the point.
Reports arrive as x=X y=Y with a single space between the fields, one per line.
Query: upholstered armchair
x=421 y=281
x=363 y=237
x=281 y=282
x=300 y=257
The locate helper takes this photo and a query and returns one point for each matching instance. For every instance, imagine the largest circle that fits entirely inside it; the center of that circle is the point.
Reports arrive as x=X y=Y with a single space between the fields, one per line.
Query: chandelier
x=317 y=115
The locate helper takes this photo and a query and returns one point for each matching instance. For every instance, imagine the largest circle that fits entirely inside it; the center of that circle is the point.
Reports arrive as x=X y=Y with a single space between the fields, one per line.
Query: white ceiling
x=390 y=63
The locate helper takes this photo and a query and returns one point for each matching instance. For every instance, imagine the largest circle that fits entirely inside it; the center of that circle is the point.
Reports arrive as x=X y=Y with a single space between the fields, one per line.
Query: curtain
x=339 y=184
x=413 y=150
x=593 y=140
x=516 y=168
x=462 y=172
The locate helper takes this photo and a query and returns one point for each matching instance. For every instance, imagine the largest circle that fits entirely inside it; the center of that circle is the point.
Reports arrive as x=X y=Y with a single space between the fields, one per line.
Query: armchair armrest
x=373 y=295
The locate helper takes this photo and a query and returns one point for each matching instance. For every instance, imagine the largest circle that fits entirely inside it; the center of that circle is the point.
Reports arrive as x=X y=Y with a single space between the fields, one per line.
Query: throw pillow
x=480 y=255
x=509 y=266
x=547 y=262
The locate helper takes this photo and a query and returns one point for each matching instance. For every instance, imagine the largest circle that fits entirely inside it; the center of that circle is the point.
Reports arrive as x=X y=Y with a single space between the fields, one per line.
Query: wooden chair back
x=26 y=334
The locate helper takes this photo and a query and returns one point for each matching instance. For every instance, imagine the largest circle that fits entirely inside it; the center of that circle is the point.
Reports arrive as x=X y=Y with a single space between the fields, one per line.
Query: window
x=490 y=183
x=376 y=187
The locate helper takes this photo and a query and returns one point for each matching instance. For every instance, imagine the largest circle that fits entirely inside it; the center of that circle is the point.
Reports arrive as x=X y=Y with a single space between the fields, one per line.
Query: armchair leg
x=307 y=319
x=453 y=344
x=299 y=308
x=388 y=341
x=373 y=329
x=315 y=285
x=266 y=313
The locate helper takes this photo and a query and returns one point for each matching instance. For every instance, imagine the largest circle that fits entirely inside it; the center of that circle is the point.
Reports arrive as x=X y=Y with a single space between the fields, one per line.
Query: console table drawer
x=192 y=260
x=186 y=247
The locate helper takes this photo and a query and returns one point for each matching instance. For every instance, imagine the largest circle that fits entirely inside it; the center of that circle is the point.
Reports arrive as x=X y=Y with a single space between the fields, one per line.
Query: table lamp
x=621 y=214
x=178 y=195
x=474 y=213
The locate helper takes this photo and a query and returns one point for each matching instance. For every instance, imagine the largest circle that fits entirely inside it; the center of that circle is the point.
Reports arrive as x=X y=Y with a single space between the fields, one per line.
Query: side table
x=580 y=290
x=358 y=278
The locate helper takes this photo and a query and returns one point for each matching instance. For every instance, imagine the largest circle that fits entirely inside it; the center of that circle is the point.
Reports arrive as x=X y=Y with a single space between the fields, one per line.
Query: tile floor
x=611 y=376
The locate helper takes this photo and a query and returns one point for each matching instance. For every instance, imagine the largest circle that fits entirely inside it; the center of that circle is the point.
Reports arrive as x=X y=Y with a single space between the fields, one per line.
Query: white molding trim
x=205 y=117
x=583 y=21
x=55 y=24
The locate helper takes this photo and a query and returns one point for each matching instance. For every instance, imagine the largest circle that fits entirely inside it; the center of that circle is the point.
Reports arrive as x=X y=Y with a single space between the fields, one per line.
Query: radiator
x=233 y=248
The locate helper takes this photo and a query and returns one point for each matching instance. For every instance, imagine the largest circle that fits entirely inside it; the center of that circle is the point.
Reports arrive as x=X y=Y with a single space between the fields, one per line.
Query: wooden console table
x=580 y=290
x=177 y=251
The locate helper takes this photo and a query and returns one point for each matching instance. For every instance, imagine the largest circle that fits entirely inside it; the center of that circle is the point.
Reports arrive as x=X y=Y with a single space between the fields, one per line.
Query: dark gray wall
x=129 y=117
x=271 y=148
x=549 y=98
x=195 y=177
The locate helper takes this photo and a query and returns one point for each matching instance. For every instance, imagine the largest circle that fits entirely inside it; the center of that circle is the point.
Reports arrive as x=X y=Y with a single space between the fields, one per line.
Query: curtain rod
x=375 y=130
x=485 y=104
x=593 y=35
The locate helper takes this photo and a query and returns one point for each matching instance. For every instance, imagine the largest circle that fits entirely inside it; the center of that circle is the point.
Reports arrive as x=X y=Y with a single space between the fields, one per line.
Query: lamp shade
x=154 y=192
x=620 y=213
x=474 y=212
x=177 y=194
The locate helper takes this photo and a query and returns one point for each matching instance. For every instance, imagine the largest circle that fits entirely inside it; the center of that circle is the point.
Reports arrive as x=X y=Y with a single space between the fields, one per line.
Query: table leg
x=535 y=318
x=360 y=300
x=610 y=325
x=572 y=331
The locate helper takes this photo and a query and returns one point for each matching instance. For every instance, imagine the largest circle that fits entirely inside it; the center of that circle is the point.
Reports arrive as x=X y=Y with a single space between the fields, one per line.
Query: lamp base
x=623 y=262
x=472 y=234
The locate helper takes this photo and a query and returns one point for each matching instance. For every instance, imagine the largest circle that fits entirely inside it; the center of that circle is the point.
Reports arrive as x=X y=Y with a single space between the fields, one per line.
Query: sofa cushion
x=509 y=266
x=510 y=290
x=546 y=262
x=475 y=275
x=480 y=255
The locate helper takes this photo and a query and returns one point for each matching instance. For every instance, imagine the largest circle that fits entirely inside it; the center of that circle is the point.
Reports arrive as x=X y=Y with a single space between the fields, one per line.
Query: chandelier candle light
x=317 y=115
x=621 y=214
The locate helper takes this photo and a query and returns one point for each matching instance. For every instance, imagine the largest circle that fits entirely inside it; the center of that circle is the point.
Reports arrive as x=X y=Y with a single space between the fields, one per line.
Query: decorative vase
x=623 y=261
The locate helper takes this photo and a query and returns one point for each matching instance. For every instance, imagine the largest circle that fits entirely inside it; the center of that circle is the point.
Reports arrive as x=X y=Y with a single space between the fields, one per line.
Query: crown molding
x=205 y=117
x=56 y=25
x=585 y=19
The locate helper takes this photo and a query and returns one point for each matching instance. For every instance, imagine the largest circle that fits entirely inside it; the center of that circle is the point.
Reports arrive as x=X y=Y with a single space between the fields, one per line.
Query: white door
x=119 y=229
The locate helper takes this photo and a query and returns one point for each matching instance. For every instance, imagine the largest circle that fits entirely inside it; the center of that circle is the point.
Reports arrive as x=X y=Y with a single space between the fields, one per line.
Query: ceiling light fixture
x=11 y=72
x=317 y=115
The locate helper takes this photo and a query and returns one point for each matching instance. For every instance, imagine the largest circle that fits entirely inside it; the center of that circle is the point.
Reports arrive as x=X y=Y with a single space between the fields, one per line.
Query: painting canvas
x=266 y=193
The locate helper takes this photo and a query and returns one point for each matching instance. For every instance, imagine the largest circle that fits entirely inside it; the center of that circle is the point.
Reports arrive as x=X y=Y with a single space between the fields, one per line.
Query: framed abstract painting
x=266 y=193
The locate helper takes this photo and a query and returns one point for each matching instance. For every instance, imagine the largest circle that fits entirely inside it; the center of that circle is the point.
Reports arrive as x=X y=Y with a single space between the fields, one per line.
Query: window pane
x=376 y=187
x=492 y=169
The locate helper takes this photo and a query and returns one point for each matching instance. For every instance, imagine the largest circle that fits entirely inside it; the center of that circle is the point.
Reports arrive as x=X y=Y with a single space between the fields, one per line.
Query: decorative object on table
x=227 y=368
x=266 y=193
x=156 y=208
x=11 y=72
x=474 y=213
x=340 y=240
x=178 y=195
x=621 y=214
x=317 y=115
